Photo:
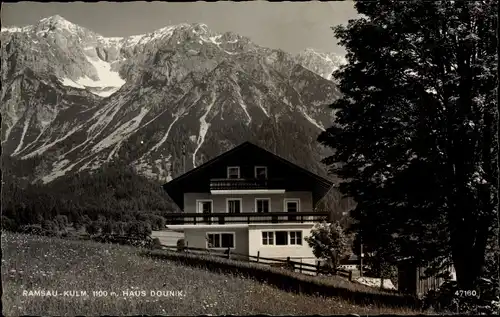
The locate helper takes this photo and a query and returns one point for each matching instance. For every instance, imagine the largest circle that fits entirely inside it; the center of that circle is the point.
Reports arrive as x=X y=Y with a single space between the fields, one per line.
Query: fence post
x=258 y=256
x=228 y=252
x=317 y=268
x=350 y=275
x=300 y=269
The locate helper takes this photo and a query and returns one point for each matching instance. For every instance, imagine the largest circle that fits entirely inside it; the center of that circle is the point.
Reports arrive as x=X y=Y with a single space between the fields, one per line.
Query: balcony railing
x=247 y=183
x=242 y=218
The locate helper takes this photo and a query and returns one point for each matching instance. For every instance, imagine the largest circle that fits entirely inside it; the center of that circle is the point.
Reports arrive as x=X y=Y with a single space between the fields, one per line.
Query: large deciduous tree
x=415 y=137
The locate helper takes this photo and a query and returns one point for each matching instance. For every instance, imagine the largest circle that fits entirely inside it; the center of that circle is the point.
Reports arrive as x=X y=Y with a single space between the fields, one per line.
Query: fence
x=287 y=264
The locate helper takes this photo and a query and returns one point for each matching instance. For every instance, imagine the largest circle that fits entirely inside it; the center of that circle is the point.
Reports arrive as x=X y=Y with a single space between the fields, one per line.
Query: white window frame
x=269 y=201
x=290 y=237
x=220 y=233
x=232 y=167
x=229 y=199
x=255 y=170
x=198 y=201
x=262 y=238
x=286 y=200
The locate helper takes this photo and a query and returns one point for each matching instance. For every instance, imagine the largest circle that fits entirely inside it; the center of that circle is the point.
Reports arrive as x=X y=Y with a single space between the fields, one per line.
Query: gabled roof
x=170 y=186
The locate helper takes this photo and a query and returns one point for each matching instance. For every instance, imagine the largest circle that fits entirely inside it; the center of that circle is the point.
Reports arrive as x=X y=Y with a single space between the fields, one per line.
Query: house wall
x=196 y=237
x=295 y=252
x=167 y=237
x=248 y=201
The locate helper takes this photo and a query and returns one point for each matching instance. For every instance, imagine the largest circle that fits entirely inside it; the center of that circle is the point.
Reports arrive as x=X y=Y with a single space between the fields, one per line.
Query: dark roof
x=169 y=185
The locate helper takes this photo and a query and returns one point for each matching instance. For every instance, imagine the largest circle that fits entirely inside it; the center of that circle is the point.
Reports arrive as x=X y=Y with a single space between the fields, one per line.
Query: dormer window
x=261 y=172
x=233 y=172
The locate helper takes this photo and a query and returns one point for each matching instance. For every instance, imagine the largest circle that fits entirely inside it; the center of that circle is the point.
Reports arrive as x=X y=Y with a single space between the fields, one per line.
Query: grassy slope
x=34 y=263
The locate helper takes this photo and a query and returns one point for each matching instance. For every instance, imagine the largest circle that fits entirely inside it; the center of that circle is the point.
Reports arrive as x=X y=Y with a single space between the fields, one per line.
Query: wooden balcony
x=245 y=218
x=246 y=183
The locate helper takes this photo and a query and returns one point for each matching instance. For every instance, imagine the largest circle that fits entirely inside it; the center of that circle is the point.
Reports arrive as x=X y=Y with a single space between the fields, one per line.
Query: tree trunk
x=468 y=251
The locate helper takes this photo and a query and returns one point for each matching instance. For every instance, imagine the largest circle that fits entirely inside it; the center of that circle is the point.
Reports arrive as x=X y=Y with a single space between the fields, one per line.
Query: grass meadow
x=32 y=264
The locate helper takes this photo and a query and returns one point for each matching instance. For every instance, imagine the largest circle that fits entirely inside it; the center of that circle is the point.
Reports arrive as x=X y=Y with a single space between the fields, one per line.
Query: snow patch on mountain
x=14 y=29
x=204 y=125
x=70 y=83
x=45 y=147
x=319 y=125
x=107 y=77
x=321 y=63
x=23 y=134
x=122 y=132
x=165 y=137
x=112 y=153
x=57 y=171
x=108 y=81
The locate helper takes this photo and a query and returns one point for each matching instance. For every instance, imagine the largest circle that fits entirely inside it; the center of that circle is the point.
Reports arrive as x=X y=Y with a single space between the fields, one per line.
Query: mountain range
x=163 y=102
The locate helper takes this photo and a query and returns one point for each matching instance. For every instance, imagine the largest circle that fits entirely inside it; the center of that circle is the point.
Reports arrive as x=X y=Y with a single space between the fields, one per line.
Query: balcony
x=245 y=218
x=250 y=185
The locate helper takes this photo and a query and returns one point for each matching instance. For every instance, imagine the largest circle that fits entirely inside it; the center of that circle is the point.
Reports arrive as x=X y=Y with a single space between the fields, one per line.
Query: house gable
x=247 y=156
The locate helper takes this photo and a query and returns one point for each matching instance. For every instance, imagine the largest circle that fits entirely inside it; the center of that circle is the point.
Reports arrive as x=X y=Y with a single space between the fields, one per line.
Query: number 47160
x=466 y=293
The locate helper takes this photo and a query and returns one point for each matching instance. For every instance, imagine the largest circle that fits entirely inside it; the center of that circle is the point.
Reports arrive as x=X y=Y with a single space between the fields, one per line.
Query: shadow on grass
x=287 y=281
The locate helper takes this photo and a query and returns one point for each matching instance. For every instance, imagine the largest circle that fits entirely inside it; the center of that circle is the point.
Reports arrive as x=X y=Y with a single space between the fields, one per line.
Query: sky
x=290 y=26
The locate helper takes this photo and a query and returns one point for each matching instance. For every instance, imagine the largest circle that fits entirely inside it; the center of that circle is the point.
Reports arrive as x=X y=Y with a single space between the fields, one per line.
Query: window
x=296 y=237
x=268 y=238
x=281 y=237
x=234 y=205
x=220 y=240
x=233 y=172
x=292 y=205
x=262 y=205
x=205 y=206
x=261 y=172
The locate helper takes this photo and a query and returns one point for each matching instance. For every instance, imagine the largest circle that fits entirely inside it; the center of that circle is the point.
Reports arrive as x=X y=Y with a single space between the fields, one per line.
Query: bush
x=50 y=225
x=9 y=224
x=93 y=228
x=181 y=245
x=157 y=222
x=33 y=229
x=107 y=228
x=120 y=227
x=78 y=222
x=139 y=229
x=86 y=220
x=156 y=243
x=61 y=222
x=329 y=242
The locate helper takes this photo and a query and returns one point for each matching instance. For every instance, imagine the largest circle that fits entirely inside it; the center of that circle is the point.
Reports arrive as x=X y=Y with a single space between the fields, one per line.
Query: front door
x=205 y=207
x=292 y=205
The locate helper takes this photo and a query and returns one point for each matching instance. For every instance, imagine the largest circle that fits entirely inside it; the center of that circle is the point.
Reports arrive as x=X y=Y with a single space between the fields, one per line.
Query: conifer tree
x=415 y=138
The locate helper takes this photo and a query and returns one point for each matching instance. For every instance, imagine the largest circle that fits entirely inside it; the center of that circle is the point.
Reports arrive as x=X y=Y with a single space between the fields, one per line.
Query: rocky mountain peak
x=322 y=63
x=91 y=99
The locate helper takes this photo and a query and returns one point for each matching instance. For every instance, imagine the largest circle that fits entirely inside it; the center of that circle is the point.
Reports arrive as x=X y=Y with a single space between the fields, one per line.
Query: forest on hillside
x=115 y=192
